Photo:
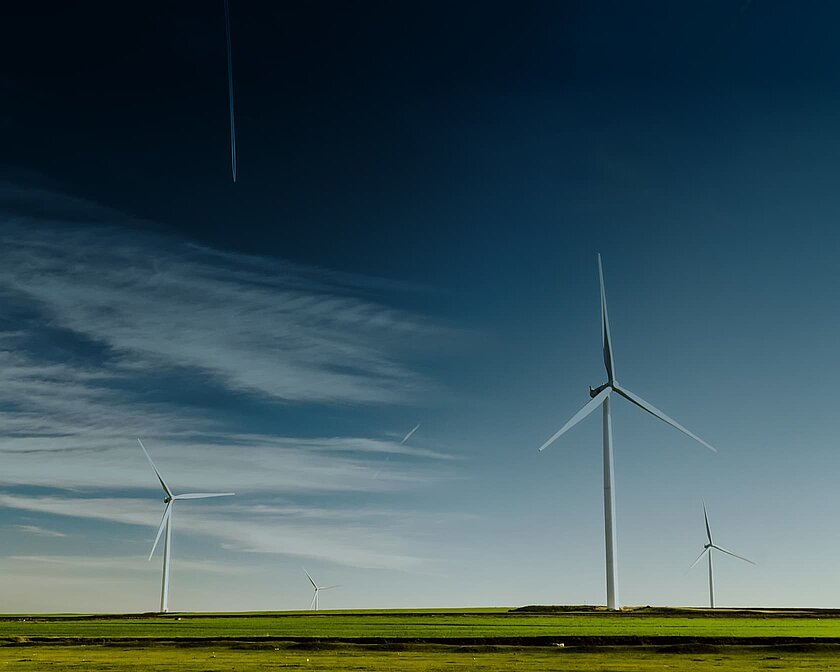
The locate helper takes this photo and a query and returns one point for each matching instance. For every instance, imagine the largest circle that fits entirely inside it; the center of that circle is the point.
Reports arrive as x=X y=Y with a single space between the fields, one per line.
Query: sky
x=422 y=190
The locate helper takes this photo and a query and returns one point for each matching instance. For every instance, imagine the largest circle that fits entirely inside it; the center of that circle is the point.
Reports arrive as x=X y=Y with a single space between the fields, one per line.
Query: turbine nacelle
x=595 y=391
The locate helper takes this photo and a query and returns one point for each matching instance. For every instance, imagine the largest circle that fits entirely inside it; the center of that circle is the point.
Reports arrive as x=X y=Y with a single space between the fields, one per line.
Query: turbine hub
x=167 y=499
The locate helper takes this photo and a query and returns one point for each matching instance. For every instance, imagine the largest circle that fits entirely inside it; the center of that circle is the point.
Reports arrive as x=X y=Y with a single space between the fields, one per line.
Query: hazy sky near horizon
x=422 y=191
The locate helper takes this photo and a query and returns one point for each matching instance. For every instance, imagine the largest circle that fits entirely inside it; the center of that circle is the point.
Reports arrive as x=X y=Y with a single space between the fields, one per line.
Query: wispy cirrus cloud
x=288 y=332
x=40 y=531
x=111 y=332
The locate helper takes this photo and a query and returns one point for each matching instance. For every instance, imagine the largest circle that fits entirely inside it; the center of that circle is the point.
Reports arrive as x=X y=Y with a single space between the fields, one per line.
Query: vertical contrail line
x=230 y=92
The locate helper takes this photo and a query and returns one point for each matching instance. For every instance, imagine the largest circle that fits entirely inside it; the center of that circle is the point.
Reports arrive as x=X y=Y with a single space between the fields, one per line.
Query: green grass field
x=488 y=639
x=427 y=624
x=217 y=659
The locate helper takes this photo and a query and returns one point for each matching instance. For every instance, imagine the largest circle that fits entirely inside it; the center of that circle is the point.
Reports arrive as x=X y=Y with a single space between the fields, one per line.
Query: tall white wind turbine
x=600 y=396
x=166 y=522
x=314 y=604
x=707 y=549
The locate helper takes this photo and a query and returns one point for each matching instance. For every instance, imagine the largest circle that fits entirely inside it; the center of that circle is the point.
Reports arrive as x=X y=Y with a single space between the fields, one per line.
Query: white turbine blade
x=408 y=436
x=606 y=340
x=580 y=415
x=699 y=558
x=163 y=520
x=650 y=408
x=314 y=597
x=311 y=580
x=338 y=585
x=160 y=478
x=708 y=529
x=203 y=495
x=734 y=555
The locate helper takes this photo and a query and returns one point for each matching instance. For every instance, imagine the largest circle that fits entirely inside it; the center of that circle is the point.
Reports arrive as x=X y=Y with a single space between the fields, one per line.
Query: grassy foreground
x=98 y=658
x=410 y=641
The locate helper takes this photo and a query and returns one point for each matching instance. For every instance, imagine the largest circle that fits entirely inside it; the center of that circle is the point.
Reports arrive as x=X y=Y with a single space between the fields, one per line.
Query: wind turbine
x=166 y=522
x=314 y=603
x=707 y=548
x=600 y=396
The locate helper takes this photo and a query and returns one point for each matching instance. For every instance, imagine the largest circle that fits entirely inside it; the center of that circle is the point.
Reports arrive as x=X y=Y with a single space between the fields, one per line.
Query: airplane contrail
x=407 y=436
x=387 y=457
x=230 y=92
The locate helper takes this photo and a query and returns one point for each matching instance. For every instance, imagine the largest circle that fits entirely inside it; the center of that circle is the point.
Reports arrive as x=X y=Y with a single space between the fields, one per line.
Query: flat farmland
x=573 y=640
x=219 y=659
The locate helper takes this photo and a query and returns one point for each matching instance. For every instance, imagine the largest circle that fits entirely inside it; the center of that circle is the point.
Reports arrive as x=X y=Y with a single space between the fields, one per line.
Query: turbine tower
x=166 y=522
x=314 y=604
x=600 y=396
x=707 y=548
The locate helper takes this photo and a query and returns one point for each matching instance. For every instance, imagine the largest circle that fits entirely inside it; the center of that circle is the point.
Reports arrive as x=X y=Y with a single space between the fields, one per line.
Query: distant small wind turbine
x=166 y=522
x=314 y=604
x=601 y=397
x=707 y=548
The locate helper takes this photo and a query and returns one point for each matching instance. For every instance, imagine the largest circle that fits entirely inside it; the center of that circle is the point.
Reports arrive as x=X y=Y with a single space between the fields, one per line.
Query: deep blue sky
x=422 y=192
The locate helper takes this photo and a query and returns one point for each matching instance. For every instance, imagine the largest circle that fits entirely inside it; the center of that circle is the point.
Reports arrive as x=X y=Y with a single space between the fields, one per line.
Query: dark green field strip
x=419 y=626
x=613 y=642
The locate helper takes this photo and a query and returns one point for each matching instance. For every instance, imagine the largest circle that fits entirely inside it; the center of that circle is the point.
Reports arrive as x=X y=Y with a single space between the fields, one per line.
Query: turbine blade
x=314 y=597
x=708 y=529
x=160 y=478
x=338 y=585
x=160 y=527
x=699 y=558
x=734 y=555
x=596 y=401
x=650 y=408
x=408 y=436
x=314 y=585
x=606 y=340
x=203 y=495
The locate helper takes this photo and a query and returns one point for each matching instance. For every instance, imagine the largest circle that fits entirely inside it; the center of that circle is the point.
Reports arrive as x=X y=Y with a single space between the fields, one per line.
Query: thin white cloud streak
x=39 y=531
x=244 y=529
x=123 y=563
